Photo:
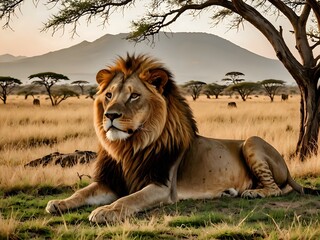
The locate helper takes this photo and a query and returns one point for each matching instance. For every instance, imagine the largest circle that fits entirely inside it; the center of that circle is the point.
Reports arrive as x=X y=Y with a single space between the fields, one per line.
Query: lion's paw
x=106 y=214
x=261 y=193
x=252 y=194
x=56 y=206
x=230 y=192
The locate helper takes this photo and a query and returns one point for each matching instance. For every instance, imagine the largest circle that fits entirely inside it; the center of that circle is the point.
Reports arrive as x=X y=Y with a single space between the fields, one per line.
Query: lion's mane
x=128 y=166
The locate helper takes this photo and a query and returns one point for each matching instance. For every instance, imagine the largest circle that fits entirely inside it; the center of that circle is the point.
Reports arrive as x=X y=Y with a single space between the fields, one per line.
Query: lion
x=151 y=153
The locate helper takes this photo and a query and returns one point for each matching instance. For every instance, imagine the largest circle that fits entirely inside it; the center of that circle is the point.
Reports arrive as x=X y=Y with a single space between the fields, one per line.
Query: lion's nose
x=113 y=116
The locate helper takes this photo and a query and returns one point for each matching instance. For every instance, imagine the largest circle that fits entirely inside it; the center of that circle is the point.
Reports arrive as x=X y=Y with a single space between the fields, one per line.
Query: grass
x=23 y=217
x=28 y=132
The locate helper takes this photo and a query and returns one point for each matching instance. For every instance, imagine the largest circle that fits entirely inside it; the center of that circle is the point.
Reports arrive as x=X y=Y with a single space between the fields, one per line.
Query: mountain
x=10 y=58
x=190 y=56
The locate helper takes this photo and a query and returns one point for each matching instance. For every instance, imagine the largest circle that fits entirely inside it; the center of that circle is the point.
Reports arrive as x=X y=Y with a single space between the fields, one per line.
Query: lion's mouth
x=114 y=133
x=128 y=131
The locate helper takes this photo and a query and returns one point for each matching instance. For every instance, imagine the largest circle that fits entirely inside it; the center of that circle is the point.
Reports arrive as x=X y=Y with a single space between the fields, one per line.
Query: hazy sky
x=26 y=39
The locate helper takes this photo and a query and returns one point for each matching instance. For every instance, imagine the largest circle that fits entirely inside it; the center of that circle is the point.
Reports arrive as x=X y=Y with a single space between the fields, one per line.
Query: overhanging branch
x=7 y=9
x=285 y=10
x=316 y=9
x=73 y=11
x=154 y=22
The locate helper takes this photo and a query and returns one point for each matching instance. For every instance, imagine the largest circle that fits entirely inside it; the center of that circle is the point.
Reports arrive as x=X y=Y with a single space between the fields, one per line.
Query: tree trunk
x=194 y=97
x=271 y=98
x=4 y=95
x=309 y=122
x=51 y=99
x=82 y=90
x=50 y=96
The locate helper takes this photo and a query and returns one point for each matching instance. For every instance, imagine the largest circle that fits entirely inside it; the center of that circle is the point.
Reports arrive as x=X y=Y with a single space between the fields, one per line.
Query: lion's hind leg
x=262 y=159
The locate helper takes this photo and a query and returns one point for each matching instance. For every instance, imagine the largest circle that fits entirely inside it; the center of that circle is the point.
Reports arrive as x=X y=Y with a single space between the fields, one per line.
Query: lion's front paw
x=56 y=206
x=107 y=214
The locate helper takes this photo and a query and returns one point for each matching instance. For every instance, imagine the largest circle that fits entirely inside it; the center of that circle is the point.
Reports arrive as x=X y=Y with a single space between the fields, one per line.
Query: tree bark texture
x=309 y=122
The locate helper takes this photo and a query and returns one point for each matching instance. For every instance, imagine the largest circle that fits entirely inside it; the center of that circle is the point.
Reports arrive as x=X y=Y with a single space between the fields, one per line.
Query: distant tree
x=234 y=77
x=213 y=89
x=7 y=84
x=80 y=84
x=271 y=86
x=92 y=91
x=194 y=88
x=62 y=93
x=30 y=90
x=206 y=92
x=243 y=88
x=48 y=79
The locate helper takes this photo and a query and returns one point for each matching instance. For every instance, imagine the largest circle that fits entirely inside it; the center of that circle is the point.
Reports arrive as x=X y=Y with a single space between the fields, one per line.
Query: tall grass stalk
x=8 y=226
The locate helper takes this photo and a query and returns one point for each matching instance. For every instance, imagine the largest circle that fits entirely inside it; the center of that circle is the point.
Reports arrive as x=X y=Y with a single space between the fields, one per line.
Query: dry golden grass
x=28 y=132
x=8 y=226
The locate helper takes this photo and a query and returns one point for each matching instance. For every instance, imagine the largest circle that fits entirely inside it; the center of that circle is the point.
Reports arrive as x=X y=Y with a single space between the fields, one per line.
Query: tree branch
x=316 y=9
x=7 y=9
x=153 y=23
x=72 y=11
x=288 y=12
x=315 y=45
x=274 y=37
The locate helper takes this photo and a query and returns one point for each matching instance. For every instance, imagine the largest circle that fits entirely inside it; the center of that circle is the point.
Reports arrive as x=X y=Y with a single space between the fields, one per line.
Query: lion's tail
x=300 y=189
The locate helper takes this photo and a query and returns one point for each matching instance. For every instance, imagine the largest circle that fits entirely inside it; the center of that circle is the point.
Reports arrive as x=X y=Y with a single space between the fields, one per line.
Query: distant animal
x=284 y=97
x=151 y=154
x=36 y=102
x=232 y=104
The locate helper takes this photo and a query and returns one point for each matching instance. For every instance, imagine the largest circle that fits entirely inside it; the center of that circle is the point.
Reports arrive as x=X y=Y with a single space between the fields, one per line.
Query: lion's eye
x=108 y=95
x=134 y=96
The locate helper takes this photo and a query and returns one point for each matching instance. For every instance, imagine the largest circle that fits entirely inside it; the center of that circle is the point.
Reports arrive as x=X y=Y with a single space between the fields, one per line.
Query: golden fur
x=150 y=152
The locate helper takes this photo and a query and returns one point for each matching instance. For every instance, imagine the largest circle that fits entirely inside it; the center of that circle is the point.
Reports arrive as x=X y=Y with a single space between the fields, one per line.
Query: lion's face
x=130 y=108
x=127 y=107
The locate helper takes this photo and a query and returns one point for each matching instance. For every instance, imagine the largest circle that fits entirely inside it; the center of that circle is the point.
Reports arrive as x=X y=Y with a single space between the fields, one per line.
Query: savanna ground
x=28 y=132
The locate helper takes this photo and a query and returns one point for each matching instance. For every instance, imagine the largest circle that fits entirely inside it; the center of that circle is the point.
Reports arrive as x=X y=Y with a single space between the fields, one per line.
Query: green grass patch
x=23 y=216
x=197 y=221
x=237 y=235
x=29 y=231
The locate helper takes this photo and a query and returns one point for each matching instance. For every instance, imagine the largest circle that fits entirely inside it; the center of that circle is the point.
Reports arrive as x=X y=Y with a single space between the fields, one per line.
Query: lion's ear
x=104 y=76
x=158 y=78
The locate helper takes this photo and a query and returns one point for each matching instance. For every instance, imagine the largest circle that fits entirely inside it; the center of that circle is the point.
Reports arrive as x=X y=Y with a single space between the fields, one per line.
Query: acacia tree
x=7 y=84
x=62 y=94
x=213 y=89
x=48 y=79
x=243 y=88
x=30 y=90
x=304 y=17
x=80 y=84
x=194 y=88
x=234 y=77
x=271 y=86
x=92 y=91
